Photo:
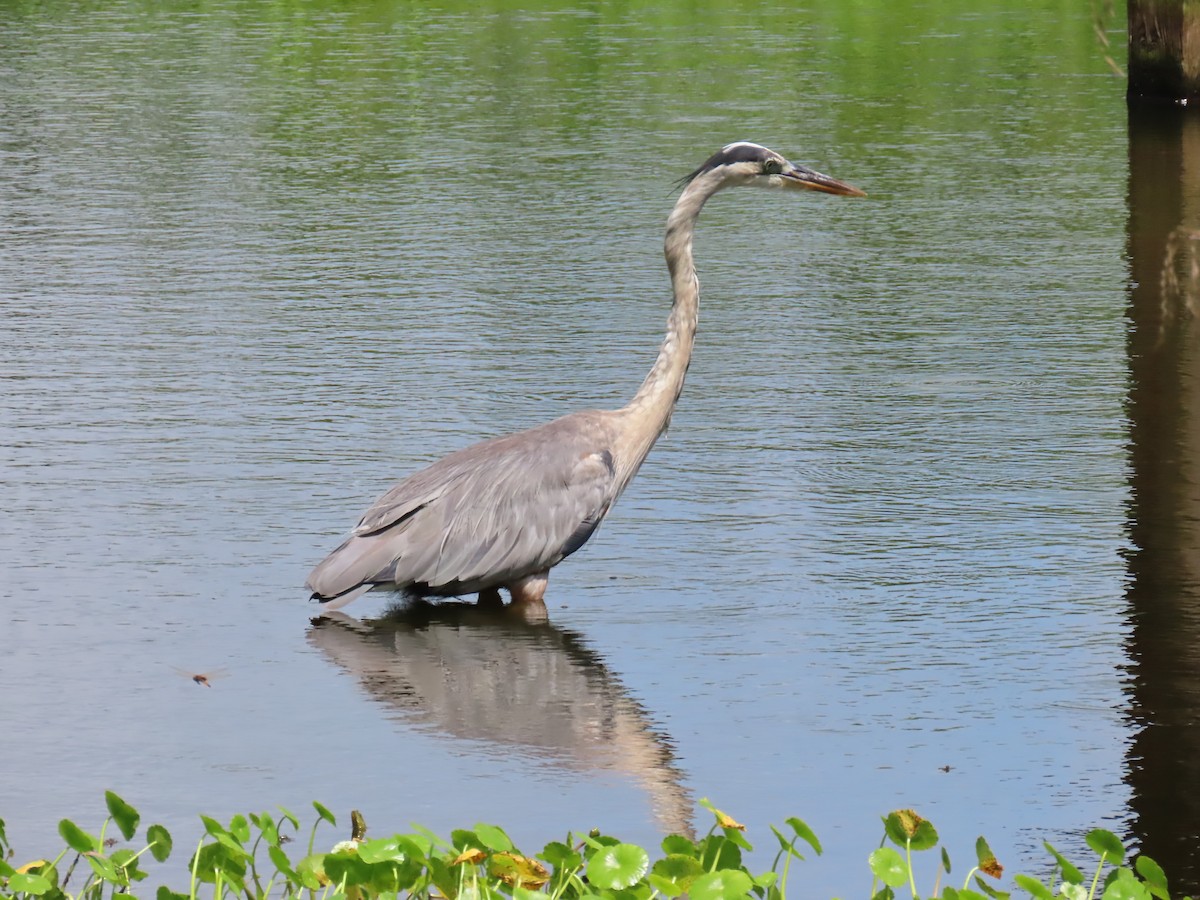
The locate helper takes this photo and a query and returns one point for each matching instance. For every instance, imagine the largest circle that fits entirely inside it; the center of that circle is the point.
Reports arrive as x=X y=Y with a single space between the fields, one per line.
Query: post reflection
x=488 y=674
x=1163 y=767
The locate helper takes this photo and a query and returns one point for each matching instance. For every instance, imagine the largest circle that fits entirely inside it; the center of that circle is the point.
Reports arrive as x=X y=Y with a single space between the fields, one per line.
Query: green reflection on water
x=662 y=73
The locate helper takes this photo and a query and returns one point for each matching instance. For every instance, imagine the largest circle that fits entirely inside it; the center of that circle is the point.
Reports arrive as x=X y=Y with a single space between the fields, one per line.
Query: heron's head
x=744 y=163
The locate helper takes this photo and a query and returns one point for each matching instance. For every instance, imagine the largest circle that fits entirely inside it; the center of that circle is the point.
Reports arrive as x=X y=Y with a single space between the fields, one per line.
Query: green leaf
x=77 y=839
x=240 y=828
x=159 y=840
x=281 y=861
x=347 y=867
x=1107 y=845
x=889 y=866
x=218 y=831
x=926 y=837
x=165 y=893
x=416 y=856
x=493 y=838
x=560 y=856
x=462 y=839
x=123 y=814
x=678 y=868
x=219 y=857
x=104 y=868
x=805 y=833
x=324 y=813
x=618 y=867
x=434 y=839
x=734 y=835
x=290 y=816
x=766 y=880
x=718 y=852
x=677 y=843
x=380 y=850
x=727 y=884
x=665 y=886
x=893 y=827
x=266 y=824
x=1125 y=886
x=1152 y=874
x=598 y=841
x=124 y=859
x=213 y=827
x=945 y=861
x=905 y=828
x=989 y=890
x=988 y=864
x=310 y=871
x=787 y=846
x=1070 y=874
x=25 y=883
x=1033 y=887
x=442 y=877
x=420 y=845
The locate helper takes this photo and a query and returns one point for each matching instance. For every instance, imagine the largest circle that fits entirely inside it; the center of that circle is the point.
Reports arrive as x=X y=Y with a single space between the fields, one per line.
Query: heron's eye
x=772 y=167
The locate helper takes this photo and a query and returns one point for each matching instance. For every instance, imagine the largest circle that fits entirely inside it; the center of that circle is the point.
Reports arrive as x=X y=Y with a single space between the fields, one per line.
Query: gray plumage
x=503 y=512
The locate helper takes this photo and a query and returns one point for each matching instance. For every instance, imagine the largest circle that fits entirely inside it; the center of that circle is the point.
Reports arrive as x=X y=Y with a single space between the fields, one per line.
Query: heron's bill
x=801 y=177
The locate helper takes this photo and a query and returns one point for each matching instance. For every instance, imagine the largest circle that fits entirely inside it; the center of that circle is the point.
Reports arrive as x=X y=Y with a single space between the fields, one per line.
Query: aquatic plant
x=254 y=857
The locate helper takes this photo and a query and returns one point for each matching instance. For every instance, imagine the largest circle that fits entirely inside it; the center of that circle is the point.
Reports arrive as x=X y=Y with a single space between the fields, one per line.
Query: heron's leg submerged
x=489 y=598
x=530 y=590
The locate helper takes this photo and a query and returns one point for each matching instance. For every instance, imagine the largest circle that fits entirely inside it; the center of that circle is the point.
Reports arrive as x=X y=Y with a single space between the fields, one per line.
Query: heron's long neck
x=649 y=412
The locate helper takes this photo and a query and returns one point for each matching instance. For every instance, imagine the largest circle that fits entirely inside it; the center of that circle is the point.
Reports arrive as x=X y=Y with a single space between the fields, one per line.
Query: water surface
x=257 y=263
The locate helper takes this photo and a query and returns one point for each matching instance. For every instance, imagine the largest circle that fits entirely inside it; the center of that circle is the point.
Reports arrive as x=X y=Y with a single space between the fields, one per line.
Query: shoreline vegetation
x=263 y=855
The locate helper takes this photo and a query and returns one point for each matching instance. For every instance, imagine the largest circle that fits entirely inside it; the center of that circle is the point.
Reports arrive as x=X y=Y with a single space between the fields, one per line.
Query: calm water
x=258 y=261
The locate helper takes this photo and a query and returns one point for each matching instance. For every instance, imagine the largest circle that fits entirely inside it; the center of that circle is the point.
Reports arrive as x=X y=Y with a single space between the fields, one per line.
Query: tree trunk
x=1164 y=51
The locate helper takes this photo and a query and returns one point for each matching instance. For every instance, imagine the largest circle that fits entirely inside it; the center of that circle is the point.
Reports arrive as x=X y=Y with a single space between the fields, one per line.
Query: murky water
x=255 y=264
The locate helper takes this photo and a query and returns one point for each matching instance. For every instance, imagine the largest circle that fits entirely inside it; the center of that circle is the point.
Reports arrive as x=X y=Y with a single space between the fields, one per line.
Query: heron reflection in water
x=479 y=674
x=501 y=513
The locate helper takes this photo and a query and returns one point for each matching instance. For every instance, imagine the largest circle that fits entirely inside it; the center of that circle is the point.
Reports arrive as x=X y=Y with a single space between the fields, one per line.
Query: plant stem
x=967 y=880
x=195 y=868
x=70 y=870
x=1096 y=877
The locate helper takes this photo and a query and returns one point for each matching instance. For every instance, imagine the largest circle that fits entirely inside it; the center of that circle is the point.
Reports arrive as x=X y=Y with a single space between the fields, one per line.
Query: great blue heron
x=501 y=513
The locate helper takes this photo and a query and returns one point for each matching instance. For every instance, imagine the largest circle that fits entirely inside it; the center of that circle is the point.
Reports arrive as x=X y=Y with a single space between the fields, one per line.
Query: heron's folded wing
x=503 y=508
x=401 y=502
x=507 y=519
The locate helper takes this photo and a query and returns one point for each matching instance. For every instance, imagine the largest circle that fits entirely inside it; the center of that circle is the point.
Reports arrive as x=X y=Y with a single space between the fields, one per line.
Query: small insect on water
x=202 y=678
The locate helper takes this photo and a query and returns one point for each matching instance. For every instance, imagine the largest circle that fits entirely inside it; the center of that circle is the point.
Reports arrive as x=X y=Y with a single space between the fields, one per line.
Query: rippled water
x=257 y=264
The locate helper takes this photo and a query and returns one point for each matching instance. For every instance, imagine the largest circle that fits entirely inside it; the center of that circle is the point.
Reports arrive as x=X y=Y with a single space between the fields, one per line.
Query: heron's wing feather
x=499 y=509
x=508 y=520
x=404 y=500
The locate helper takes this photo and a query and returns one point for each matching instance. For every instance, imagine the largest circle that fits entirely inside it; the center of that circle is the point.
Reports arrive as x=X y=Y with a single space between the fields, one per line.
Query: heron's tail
x=349 y=571
x=332 y=603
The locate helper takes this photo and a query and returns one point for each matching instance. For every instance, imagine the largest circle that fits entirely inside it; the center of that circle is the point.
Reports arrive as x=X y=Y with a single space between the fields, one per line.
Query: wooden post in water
x=1163 y=406
x=1164 y=51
